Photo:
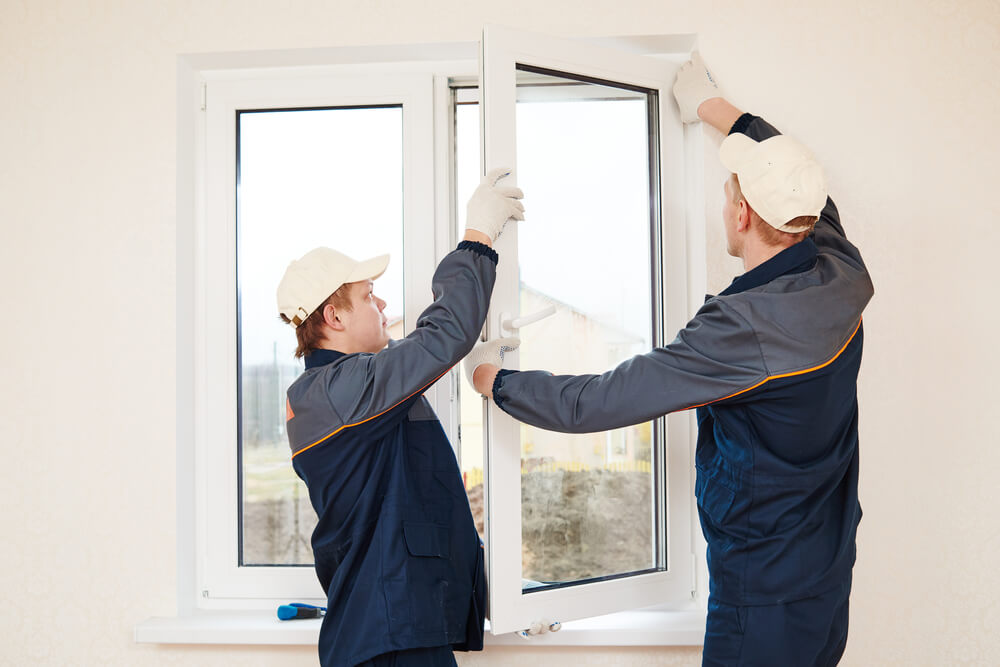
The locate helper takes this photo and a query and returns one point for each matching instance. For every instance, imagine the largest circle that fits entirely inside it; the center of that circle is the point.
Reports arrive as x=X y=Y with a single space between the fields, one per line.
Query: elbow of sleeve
x=451 y=340
x=469 y=339
x=578 y=417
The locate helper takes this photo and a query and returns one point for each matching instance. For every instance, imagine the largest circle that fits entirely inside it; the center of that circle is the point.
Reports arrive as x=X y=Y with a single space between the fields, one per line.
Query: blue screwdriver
x=295 y=610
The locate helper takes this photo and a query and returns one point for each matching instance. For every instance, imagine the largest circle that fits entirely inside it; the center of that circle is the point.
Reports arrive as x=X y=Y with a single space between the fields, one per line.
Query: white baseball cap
x=779 y=177
x=310 y=281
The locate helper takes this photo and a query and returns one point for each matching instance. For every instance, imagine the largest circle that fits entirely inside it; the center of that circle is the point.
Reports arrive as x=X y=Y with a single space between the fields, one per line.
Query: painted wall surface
x=900 y=101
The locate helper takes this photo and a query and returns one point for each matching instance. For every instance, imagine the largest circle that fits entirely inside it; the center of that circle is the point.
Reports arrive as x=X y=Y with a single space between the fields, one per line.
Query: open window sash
x=516 y=69
x=220 y=578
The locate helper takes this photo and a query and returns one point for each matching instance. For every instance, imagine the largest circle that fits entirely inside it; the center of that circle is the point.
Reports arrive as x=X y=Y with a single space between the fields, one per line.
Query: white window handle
x=512 y=325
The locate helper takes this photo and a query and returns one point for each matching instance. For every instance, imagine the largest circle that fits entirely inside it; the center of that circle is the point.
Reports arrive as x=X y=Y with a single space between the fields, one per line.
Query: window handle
x=512 y=325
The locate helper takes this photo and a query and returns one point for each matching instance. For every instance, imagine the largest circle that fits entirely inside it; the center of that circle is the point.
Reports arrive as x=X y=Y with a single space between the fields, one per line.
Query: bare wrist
x=719 y=113
x=478 y=237
x=483 y=378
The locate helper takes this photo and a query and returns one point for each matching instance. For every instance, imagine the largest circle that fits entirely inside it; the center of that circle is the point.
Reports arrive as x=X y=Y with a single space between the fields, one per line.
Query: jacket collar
x=322 y=358
x=795 y=259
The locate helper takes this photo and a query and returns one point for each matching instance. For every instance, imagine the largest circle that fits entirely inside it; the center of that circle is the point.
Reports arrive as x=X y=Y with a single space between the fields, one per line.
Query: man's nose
x=381 y=304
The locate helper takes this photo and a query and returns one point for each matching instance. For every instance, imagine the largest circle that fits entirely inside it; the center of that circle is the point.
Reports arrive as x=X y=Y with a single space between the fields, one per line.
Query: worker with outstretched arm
x=771 y=366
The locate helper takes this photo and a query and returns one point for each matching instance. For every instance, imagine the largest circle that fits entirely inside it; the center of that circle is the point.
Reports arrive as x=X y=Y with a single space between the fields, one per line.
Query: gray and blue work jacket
x=395 y=547
x=771 y=364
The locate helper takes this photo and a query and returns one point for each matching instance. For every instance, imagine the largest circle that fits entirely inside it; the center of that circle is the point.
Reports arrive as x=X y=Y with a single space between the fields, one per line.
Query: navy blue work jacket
x=395 y=547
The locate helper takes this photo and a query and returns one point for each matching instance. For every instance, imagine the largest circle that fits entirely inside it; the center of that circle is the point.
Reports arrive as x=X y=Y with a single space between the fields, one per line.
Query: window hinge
x=204 y=96
x=539 y=628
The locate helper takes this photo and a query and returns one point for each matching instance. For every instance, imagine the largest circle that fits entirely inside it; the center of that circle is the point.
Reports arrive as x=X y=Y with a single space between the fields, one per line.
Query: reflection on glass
x=583 y=161
x=584 y=165
x=307 y=178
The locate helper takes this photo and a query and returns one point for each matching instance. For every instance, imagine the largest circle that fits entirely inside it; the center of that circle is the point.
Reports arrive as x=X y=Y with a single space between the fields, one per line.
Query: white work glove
x=693 y=86
x=491 y=206
x=490 y=352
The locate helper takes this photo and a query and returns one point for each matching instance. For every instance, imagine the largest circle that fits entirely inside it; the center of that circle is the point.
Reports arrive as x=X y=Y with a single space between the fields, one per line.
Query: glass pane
x=307 y=178
x=587 y=501
x=584 y=164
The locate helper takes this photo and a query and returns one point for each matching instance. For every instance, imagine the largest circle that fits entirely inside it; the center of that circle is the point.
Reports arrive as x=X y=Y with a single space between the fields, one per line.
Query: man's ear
x=743 y=218
x=331 y=318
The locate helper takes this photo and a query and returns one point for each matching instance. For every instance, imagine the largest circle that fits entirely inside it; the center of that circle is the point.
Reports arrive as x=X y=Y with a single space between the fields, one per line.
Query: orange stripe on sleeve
x=327 y=437
x=783 y=375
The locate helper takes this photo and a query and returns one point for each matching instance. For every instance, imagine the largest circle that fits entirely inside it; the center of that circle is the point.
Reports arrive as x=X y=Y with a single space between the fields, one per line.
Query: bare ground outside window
x=577 y=524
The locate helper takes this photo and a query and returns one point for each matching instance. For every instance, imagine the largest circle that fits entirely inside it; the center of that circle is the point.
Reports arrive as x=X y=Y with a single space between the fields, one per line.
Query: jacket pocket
x=714 y=498
x=418 y=592
x=426 y=539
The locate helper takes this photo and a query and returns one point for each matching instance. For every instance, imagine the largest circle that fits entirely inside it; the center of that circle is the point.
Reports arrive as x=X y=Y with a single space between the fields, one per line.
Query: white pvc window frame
x=221 y=579
x=210 y=89
x=511 y=608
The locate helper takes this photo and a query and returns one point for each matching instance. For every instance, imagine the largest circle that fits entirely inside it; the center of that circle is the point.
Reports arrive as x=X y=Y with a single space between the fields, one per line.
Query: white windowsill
x=630 y=628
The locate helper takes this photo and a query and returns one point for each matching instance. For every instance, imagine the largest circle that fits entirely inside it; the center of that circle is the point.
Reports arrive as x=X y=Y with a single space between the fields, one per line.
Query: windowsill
x=630 y=628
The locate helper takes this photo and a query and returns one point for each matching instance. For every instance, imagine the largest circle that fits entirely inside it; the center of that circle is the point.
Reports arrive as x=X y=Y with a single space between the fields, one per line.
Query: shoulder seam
x=368 y=419
x=329 y=402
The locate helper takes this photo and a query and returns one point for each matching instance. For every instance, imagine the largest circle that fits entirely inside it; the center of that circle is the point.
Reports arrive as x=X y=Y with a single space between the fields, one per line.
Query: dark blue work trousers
x=804 y=633
x=437 y=656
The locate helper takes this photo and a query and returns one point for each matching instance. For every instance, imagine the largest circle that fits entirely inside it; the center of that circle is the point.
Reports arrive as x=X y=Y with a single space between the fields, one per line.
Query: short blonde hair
x=770 y=235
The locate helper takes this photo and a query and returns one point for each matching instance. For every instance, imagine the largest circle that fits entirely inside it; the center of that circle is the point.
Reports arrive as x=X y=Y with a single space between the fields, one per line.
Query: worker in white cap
x=771 y=365
x=395 y=547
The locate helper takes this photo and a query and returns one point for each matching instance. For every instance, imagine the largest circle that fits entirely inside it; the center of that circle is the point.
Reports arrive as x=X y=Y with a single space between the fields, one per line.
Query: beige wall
x=899 y=99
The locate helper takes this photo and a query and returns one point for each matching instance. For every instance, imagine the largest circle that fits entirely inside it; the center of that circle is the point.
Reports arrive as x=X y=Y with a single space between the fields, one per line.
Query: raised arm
x=719 y=113
x=367 y=385
x=699 y=98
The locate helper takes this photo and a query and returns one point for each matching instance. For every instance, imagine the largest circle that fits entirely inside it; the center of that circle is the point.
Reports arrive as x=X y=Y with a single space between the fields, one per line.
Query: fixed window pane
x=306 y=178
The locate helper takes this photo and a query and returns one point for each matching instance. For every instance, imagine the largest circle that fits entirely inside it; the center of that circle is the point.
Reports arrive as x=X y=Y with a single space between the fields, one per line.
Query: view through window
x=583 y=161
x=306 y=178
x=334 y=177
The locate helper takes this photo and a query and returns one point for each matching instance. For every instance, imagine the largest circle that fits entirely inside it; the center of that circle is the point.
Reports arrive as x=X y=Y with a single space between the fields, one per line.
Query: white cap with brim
x=309 y=281
x=779 y=177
